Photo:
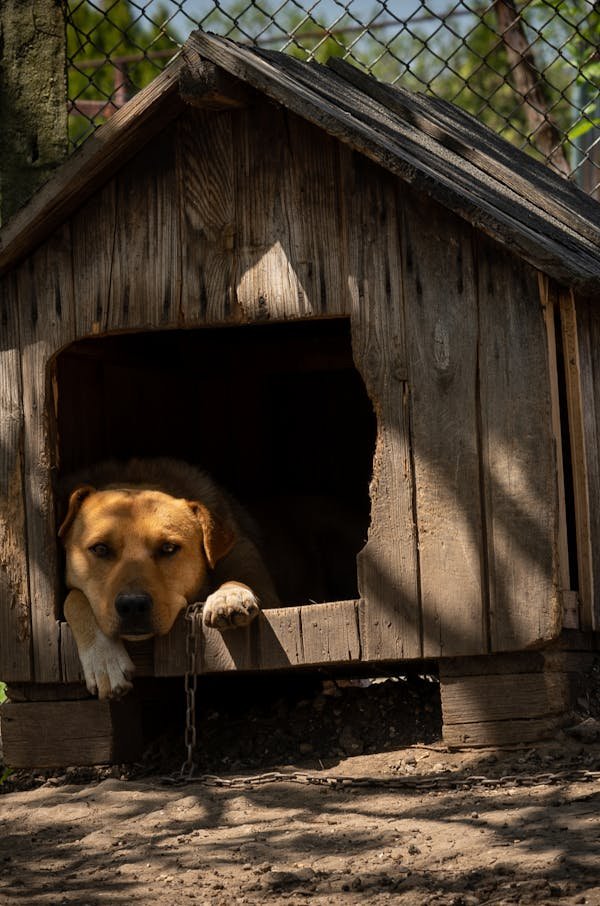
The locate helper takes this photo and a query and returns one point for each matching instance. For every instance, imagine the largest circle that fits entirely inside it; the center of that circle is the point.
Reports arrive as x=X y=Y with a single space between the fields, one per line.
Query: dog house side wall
x=244 y=216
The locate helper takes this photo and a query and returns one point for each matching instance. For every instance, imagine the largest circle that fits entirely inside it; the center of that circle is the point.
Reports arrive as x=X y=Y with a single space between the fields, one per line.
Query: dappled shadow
x=124 y=842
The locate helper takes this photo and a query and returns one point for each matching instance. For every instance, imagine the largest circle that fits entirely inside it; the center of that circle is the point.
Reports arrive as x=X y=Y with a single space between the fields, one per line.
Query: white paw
x=107 y=667
x=230 y=606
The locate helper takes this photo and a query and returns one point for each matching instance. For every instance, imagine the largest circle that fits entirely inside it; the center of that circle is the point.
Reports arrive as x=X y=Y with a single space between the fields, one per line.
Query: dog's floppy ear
x=218 y=538
x=75 y=501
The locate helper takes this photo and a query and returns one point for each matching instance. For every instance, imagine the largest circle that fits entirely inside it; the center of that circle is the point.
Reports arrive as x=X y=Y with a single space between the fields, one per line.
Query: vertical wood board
x=93 y=237
x=15 y=617
x=440 y=297
x=550 y=304
x=145 y=278
x=582 y=336
x=519 y=463
x=205 y=154
x=47 y=322
x=287 y=245
x=390 y=622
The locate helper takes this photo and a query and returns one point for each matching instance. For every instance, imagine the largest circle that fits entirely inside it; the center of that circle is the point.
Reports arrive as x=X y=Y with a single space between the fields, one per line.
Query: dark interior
x=277 y=413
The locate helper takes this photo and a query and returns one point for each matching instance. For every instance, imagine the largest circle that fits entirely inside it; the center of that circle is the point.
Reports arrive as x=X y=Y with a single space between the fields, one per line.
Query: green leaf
x=582 y=127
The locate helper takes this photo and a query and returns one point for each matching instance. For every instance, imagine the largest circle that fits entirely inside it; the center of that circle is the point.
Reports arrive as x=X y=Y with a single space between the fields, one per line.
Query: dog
x=142 y=541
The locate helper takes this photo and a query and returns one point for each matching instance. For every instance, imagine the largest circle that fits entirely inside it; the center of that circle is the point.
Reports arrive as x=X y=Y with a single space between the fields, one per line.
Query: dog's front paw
x=230 y=606
x=107 y=668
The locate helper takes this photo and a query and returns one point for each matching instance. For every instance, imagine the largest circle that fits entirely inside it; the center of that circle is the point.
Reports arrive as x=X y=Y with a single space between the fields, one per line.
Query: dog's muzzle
x=135 y=613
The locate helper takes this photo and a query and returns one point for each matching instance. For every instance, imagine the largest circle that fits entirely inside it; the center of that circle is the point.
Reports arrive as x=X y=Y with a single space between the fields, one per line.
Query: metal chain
x=425 y=783
x=188 y=767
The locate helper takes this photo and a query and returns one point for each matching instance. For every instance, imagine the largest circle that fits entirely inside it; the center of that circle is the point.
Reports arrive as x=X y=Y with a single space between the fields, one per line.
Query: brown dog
x=142 y=541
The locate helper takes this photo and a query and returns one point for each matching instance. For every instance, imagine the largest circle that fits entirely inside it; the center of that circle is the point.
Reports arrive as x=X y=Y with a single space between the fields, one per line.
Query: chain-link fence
x=530 y=70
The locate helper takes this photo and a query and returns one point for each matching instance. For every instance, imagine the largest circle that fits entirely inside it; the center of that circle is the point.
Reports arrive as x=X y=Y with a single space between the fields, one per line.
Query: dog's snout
x=133 y=606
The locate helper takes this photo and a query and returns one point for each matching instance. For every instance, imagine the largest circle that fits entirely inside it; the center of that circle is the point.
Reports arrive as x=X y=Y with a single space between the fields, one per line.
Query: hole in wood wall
x=277 y=413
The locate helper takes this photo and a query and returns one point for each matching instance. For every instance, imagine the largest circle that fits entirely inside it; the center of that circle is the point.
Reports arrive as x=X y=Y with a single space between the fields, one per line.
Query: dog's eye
x=168 y=549
x=100 y=550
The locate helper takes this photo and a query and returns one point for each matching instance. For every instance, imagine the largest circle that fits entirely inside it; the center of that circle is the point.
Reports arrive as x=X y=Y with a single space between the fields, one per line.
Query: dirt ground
x=405 y=822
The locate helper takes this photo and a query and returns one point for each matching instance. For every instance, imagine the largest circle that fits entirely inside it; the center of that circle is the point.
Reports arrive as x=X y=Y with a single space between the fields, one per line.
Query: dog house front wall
x=252 y=215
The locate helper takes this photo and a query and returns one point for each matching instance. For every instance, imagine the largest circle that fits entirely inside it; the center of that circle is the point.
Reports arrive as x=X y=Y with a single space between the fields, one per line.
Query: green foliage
x=462 y=59
x=98 y=35
x=2 y=692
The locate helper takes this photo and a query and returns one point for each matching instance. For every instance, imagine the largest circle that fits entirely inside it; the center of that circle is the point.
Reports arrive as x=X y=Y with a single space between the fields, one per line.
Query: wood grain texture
x=59 y=733
x=464 y=135
x=440 y=297
x=581 y=394
x=487 y=733
x=550 y=305
x=429 y=162
x=46 y=311
x=15 y=616
x=330 y=633
x=289 y=210
x=145 y=275
x=387 y=565
x=473 y=699
x=280 y=638
x=93 y=231
x=205 y=174
x=583 y=333
x=519 y=465
x=146 y=114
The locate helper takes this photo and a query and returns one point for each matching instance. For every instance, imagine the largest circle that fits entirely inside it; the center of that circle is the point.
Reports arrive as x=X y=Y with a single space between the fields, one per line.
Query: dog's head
x=139 y=556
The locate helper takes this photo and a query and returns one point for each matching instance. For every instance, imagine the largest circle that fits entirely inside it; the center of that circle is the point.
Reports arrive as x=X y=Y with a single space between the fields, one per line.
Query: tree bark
x=33 y=105
x=529 y=84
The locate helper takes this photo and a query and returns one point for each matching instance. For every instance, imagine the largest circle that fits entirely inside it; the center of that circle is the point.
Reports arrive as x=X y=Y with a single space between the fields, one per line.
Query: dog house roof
x=431 y=144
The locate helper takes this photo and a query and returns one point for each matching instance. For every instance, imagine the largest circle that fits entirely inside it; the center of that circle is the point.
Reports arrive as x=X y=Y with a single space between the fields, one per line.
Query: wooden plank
x=332 y=103
x=571 y=610
x=517 y=444
x=581 y=334
x=56 y=734
x=15 y=617
x=502 y=732
x=387 y=565
x=205 y=173
x=279 y=638
x=330 y=632
x=146 y=114
x=474 y=142
x=93 y=230
x=287 y=211
x=145 y=267
x=71 y=669
x=472 y=699
x=442 y=337
x=580 y=394
x=550 y=306
x=47 y=322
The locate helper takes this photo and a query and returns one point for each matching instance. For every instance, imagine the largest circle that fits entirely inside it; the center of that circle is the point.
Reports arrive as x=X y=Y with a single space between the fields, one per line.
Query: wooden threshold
x=308 y=635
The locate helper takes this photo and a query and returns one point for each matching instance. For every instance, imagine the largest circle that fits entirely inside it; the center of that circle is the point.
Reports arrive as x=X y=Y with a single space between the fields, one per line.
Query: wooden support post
x=51 y=733
x=508 y=699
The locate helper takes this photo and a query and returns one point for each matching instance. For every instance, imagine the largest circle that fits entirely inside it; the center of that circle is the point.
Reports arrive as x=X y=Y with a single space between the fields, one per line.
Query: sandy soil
x=519 y=826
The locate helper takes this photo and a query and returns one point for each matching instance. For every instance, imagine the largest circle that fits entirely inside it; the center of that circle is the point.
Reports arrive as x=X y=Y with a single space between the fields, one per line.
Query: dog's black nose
x=133 y=607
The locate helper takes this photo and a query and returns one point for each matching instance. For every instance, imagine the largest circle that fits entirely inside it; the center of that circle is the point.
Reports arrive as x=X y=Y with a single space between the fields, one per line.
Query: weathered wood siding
x=246 y=215
x=580 y=321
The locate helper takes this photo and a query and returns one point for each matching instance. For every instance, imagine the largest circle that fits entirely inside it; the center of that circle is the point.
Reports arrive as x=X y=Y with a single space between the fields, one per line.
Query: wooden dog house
x=259 y=255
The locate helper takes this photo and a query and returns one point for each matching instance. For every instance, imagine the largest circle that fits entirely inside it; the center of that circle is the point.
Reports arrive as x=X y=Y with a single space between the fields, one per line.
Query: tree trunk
x=529 y=83
x=33 y=106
